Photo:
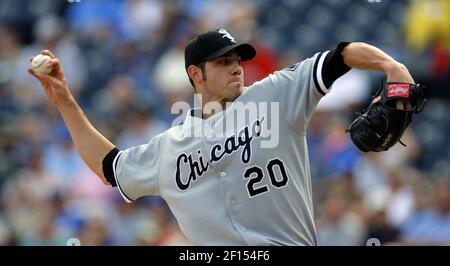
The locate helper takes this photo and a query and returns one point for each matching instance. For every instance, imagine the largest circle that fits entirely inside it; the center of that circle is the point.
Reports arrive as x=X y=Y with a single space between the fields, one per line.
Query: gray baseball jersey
x=242 y=176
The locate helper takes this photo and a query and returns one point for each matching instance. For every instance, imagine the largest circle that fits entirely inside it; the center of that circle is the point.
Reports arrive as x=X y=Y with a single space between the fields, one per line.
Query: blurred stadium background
x=124 y=63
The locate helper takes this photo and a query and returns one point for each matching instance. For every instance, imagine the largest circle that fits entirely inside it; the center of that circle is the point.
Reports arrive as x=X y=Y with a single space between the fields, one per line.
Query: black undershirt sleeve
x=333 y=65
x=108 y=166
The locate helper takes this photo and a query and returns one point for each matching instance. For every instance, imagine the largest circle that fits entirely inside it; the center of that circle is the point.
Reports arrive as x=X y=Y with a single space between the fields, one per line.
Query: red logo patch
x=398 y=90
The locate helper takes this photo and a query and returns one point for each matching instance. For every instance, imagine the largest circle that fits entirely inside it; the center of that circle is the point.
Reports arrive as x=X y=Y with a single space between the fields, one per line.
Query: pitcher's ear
x=195 y=73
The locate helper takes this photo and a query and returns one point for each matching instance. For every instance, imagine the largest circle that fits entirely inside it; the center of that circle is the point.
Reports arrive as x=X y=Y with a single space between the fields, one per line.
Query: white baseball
x=39 y=64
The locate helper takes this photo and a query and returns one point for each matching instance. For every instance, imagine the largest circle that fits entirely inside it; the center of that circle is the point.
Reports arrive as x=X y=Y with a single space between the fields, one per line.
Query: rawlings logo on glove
x=398 y=90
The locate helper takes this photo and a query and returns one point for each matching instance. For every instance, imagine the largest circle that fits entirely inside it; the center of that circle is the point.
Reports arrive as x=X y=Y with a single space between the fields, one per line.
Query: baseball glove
x=382 y=124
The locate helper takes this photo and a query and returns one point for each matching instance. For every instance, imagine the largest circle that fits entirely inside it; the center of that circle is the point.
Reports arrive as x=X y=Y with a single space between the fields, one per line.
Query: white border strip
x=115 y=177
x=319 y=72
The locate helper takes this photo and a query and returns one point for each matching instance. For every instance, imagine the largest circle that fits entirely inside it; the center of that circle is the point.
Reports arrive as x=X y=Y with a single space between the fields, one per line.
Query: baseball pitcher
x=236 y=172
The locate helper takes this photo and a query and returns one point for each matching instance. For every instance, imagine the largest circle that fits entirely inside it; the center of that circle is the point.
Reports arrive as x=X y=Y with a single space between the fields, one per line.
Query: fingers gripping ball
x=39 y=64
x=382 y=124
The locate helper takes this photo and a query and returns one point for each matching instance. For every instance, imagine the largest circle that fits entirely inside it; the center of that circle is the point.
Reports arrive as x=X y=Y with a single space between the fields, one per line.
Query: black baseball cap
x=212 y=44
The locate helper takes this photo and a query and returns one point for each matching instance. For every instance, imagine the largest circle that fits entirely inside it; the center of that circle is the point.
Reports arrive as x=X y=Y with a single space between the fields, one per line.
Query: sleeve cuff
x=317 y=73
x=334 y=66
x=107 y=165
x=124 y=196
x=109 y=170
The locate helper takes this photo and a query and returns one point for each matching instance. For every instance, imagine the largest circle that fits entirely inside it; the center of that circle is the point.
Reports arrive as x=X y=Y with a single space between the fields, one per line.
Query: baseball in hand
x=39 y=64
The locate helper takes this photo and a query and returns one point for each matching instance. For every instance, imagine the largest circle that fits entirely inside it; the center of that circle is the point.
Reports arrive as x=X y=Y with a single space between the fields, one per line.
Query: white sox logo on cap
x=226 y=34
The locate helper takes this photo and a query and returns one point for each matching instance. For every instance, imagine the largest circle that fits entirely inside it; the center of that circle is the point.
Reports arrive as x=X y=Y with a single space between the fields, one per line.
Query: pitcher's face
x=225 y=77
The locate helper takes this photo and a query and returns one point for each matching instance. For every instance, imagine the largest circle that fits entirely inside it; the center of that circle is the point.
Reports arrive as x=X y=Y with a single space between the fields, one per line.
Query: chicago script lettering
x=196 y=168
